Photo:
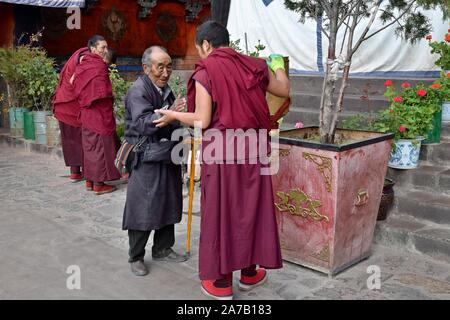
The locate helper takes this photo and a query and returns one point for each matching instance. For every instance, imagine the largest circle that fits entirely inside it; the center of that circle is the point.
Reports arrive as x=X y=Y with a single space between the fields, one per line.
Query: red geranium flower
x=390 y=110
x=405 y=85
x=388 y=83
x=448 y=74
x=447 y=38
x=421 y=92
x=402 y=128
x=435 y=85
x=429 y=37
x=398 y=99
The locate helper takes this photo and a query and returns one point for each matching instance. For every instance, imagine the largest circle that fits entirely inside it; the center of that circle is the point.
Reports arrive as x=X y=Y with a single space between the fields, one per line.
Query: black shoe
x=169 y=255
x=139 y=268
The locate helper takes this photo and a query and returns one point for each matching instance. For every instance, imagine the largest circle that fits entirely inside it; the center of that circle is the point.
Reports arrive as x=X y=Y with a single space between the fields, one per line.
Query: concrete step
x=356 y=85
x=426 y=206
x=445 y=133
x=428 y=177
x=353 y=103
x=438 y=154
x=403 y=233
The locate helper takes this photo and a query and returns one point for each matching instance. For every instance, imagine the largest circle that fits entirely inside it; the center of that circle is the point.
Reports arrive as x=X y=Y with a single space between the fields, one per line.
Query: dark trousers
x=163 y=238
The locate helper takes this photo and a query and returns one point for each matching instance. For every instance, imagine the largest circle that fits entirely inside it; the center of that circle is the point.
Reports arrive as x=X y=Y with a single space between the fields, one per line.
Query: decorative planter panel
x=327 y=197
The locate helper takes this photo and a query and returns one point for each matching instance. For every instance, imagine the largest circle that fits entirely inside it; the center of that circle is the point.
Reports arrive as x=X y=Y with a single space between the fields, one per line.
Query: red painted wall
x=6 y=24
x=139 y=33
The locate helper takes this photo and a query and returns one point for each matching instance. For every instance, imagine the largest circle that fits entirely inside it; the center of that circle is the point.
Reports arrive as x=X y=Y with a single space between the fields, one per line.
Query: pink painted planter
x=327 y=197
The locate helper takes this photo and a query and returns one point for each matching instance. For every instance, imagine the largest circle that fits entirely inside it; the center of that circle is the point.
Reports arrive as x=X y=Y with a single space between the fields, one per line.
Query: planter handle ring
x=362 y=197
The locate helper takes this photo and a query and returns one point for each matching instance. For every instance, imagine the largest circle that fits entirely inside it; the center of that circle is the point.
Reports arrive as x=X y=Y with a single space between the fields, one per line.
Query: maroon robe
x=93 y=89
x=238 y=226
x=67 y=110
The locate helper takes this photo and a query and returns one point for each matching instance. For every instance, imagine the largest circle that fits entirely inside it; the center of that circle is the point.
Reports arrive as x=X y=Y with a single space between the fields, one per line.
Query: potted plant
x=41 y=83
x=444 y=81
x=328 y=187
x=13 y=62
x=442 y=50
x=409 y=116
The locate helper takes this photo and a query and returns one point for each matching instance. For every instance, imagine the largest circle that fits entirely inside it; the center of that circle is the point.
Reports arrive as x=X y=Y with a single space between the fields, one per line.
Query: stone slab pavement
x=48 y=224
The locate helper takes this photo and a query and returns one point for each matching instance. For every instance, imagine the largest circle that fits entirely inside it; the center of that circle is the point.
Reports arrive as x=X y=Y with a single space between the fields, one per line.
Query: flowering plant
x=442 y=48
x=444 y=89
x=410 y=111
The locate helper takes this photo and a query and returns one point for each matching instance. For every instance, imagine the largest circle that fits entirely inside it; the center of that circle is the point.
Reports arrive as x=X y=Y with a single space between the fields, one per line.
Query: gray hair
x=146 y=57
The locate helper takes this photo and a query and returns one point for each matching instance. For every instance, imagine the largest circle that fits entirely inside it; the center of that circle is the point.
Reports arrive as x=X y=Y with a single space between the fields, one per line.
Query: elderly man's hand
x=179 y=104
x=167 y=117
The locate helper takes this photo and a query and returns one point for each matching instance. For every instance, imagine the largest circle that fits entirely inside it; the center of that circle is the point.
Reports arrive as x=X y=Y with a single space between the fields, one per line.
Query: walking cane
x=191 y=198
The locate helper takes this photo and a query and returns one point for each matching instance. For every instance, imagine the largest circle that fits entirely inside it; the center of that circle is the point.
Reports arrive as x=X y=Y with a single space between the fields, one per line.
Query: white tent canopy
x=281 y=32
x=49 y=3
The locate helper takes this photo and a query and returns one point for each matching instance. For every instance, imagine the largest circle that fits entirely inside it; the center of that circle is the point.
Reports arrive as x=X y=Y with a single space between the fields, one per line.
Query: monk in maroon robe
x=67 y=110
x=93 y=89
x=238 y=228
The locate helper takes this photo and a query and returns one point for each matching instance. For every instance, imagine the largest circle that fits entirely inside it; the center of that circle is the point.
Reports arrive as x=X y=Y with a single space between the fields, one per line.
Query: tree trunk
x=340 y=99
x=8 y=90
x=328 y=107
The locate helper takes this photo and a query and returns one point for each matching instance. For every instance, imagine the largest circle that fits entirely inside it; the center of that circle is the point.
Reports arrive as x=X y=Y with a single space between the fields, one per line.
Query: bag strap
x=140 y=142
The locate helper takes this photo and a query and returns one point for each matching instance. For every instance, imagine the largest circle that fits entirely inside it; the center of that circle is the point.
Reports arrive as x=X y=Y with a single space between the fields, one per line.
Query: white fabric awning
x=281 y=32
x=49 y=3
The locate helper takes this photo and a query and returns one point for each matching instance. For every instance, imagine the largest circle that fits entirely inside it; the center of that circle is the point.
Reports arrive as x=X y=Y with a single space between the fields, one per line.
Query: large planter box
x=327 y=197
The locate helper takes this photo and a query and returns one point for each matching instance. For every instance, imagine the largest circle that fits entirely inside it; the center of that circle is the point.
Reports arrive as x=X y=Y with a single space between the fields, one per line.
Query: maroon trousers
x=71 y=145
x=99 y=154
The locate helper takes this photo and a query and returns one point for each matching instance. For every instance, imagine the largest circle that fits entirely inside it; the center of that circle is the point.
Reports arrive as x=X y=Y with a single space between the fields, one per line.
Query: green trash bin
x=16 y=121
x=434 y=135
x=28 y=126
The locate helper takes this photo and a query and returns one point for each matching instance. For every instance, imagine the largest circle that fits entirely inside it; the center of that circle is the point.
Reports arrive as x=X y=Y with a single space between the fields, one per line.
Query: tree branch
x=326 y=7
x=345 y=35
x=392 y=22
x=374 y=10
x=357 y=3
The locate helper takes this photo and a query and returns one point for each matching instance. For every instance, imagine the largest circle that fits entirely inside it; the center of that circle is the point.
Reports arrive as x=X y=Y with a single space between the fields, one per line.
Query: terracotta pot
x=327 y=196
x=387 y=199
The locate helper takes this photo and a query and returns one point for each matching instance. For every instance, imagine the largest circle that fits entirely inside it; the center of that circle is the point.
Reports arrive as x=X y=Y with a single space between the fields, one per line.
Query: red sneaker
x=76 y=177
x=89 y=185
x=247 y=283
x=98 y=190
x=214 y=292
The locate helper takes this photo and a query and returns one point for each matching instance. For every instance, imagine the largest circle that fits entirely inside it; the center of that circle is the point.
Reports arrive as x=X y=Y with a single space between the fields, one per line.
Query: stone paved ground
x=48 y=223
